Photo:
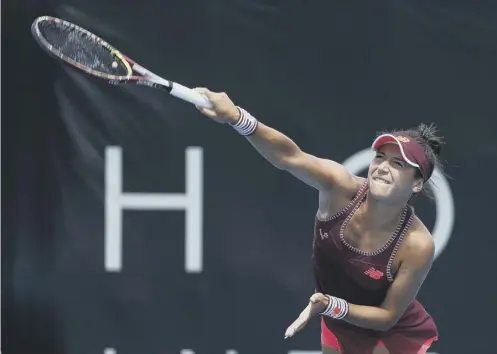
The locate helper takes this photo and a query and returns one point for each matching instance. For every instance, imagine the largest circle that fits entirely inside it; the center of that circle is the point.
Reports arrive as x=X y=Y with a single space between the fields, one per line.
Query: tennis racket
x=94 y=56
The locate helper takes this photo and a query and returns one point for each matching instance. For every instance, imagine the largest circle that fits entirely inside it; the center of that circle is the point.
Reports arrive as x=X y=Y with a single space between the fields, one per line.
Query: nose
x=383 y=167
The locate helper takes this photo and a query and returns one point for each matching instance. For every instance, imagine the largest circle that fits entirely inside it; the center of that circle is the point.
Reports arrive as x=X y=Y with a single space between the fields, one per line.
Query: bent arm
x=283 y=153
x=402 y=291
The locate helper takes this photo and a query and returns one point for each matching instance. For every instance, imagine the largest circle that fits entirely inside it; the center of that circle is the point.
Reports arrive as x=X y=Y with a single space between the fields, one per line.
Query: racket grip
x=190 y=95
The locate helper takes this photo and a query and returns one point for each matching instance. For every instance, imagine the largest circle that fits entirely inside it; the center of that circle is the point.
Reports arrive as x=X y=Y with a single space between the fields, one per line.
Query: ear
x=417 y=186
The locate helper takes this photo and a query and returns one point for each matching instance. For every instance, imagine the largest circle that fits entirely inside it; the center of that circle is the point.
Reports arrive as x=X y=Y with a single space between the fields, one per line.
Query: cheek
x=371 y=169
x=403 y=178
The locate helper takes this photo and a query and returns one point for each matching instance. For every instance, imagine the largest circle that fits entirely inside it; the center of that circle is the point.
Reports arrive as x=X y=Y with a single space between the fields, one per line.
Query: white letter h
x=116 y=201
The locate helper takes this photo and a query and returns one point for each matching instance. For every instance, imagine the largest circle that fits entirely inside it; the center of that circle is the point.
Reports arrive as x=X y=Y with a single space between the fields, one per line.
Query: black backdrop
x=234 y=270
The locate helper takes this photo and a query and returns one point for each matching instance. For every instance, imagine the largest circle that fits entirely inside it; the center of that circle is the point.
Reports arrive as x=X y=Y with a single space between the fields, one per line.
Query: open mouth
x=381 y=180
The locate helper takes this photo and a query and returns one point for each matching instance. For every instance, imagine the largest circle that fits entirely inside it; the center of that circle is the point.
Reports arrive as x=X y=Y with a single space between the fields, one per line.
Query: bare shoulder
x=350 y=189
x=334 y=200
x=340 y=180
x=418 y=246
x=323 y=174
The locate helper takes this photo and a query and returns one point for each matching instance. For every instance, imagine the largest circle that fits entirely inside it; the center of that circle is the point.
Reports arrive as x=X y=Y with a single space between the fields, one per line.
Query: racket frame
x=147 y=77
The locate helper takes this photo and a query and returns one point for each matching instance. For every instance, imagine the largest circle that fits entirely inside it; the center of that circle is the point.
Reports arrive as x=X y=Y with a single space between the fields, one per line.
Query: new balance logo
x=374 y=273
x=323 y=235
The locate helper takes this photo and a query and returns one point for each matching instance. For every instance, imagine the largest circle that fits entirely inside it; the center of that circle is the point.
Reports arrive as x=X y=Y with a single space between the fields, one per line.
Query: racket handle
x=177 y=90
x=190 y=95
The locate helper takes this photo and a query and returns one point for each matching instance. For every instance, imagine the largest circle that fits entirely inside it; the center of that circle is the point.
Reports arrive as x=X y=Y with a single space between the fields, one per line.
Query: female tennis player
x=371 y=253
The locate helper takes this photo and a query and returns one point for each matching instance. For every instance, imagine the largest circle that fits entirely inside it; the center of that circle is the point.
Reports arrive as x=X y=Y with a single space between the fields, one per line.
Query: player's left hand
x=317 y=304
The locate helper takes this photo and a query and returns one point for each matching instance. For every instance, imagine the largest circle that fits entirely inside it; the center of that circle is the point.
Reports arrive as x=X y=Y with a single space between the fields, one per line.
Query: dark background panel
x=329 y=75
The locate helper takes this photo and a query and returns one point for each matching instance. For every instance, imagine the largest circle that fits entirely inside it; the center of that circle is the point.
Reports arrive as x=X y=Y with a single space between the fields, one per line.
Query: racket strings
x=82 y=48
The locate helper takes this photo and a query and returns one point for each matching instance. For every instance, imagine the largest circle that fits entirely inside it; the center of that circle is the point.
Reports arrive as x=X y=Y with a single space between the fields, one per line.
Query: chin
x=380 y=192
x=379 y=195
x=387 y=194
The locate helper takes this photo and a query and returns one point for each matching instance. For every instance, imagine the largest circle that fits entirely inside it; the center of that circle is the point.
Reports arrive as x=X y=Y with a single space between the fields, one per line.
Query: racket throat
x=152 y=80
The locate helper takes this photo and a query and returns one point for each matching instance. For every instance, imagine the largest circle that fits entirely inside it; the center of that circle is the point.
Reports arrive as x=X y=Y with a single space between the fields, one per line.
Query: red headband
x=412 y=152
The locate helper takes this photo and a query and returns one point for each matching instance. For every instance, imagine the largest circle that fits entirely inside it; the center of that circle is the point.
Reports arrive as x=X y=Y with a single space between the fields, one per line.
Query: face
x=391 y=178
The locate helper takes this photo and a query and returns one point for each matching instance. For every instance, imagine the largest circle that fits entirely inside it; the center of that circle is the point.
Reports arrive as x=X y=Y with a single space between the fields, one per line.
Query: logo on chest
x=374 y=273
x=324 y=235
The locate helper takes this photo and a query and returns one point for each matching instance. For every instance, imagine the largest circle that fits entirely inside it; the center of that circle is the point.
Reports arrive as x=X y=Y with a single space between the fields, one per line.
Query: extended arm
x=281 y=151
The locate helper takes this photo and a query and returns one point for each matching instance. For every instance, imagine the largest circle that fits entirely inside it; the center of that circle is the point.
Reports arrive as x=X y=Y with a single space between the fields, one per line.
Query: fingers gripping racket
x=91 y=54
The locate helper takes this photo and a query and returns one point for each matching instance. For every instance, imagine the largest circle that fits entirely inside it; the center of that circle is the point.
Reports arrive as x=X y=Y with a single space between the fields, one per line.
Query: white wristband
x=337 y=308
x=247 y=124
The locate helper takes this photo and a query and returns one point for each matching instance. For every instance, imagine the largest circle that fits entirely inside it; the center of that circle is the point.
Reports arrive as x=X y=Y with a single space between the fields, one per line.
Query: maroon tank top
x=362 y=278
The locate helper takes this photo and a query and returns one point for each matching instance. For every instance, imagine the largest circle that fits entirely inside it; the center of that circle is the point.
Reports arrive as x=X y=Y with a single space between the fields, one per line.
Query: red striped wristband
x=337 y=308
x=246 y=125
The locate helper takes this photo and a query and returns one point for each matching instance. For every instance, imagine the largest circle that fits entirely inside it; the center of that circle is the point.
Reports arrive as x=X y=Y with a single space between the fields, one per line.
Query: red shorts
x=397 y=343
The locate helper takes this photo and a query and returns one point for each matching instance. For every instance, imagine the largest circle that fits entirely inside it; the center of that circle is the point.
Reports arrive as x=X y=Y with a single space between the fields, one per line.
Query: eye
x=399 y=163
x=378 y=156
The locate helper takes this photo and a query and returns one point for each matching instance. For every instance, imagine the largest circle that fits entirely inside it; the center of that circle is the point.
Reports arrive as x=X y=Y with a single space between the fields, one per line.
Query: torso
x=369 y=263
x=352 y=263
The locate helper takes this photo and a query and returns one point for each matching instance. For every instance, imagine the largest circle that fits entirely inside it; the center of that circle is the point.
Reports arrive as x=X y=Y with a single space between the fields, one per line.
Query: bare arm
x=416 y=257
x=281 y=151
x=411 y=275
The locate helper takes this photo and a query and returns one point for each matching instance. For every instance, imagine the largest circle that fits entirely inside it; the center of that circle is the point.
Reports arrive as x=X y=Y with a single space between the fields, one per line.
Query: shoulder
x=346 y=191
x=334 y=200
x=356 y=185
x=418 y=246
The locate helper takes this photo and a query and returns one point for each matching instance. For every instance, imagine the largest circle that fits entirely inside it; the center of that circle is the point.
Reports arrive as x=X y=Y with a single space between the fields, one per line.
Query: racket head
x=82 y=49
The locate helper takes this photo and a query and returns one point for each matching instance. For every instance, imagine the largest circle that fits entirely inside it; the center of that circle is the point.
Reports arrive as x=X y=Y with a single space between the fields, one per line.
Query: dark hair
x=426 y=136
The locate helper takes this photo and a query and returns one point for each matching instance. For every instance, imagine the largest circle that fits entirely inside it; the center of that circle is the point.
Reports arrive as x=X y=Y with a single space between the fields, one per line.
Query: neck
x=381 y=215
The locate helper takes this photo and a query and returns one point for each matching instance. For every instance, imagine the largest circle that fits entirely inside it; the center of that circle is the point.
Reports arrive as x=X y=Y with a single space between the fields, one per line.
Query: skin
x=379 y=215
x=392 y=183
